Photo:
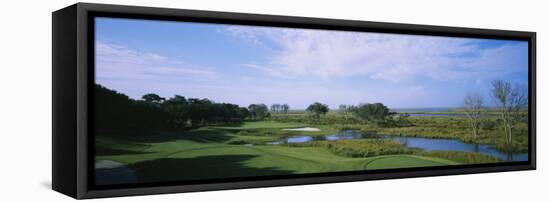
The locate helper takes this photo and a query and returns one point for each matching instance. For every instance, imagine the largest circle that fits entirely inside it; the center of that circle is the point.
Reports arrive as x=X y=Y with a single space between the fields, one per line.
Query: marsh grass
x=461 y=157
x=491 y=131
x=358 y=148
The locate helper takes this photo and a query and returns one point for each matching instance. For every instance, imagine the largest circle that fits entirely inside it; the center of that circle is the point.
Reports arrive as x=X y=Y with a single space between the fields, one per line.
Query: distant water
x=433 y=109
x=426 y=114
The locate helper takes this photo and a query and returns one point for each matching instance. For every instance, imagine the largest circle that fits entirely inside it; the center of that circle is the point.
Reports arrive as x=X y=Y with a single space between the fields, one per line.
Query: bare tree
x=518 y=103
x=347 y=112
x=510 y=101
x=285 y=108
x=343 y=109
x=275 y=108
x=473 y=103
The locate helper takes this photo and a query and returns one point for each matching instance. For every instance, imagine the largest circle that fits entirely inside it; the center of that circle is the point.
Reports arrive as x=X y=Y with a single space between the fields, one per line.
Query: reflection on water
x=427 y=144
x=430 y=144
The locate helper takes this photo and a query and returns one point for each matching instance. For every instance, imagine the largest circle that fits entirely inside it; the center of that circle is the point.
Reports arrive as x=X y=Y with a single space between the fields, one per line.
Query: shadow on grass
x=106 y=151
x=228 y=125
x=118 y=146
x=197 y=168
x=211 y=134
x=202 y=135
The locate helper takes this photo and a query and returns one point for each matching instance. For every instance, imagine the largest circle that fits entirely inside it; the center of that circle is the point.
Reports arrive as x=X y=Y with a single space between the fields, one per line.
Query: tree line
x=376 y=113
x=280 y=108
x=120 y=114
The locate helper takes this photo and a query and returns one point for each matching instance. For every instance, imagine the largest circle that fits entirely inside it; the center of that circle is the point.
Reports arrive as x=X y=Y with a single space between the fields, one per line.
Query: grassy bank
x=491 y=130
x=461 y=157
x=359 y=148
x=219 y=151
x=183 y=159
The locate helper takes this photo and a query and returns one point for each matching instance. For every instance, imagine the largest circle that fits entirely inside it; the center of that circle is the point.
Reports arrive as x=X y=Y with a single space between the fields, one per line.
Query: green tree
x=122 y=115
x=258 y=111
x=375 y=113
x=243 y=113
x=317 y=109
x=152 y=98
x=200 y=111
x=177 y=108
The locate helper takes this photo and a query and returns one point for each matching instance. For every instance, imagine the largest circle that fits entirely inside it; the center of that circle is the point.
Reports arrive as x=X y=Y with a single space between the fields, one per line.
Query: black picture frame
x=73 y=78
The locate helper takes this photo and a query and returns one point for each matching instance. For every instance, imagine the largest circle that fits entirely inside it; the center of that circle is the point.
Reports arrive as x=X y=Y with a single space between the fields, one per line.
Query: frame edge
x=64 y=145
x=84 y=191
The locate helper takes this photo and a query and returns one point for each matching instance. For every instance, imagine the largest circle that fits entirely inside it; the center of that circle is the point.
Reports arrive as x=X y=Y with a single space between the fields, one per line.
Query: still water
x=427 y=144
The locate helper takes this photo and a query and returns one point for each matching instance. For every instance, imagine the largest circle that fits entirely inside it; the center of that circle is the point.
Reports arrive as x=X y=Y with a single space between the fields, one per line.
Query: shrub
x=359 y=148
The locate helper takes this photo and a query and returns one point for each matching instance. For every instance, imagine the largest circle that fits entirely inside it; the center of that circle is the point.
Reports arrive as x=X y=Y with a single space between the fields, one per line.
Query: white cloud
x=509 y=58
x=118 y=62
x=245 y=34
x=267 y=70
x=328 y=54
x=136 y=73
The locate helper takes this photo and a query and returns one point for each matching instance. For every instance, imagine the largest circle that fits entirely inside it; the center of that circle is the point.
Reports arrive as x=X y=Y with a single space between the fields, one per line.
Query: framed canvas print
x=154 y=100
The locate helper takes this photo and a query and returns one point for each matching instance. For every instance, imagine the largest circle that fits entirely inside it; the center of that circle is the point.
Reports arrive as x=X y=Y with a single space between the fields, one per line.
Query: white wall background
x=25 y=102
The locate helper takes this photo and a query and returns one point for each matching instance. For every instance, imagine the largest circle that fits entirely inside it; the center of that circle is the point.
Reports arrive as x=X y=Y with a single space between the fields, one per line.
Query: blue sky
x=251 y=64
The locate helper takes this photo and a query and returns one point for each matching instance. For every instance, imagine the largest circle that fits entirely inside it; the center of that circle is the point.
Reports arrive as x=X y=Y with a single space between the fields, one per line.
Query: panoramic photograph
x=182 y=101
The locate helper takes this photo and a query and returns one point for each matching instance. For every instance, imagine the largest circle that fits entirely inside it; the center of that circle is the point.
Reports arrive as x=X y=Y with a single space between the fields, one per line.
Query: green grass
x=185 y=156
x=224 y=151
x=457 y=128
x=262 y=125
x=274 y=128
x=359 y=148
x=186 y=160
x=462 y=157
x=405 y=161
x=492 y=112
x=491 y=131
x=248 y=139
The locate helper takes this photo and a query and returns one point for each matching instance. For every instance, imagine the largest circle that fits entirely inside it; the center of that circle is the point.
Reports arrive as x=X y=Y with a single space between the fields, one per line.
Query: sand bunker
x=303 y=129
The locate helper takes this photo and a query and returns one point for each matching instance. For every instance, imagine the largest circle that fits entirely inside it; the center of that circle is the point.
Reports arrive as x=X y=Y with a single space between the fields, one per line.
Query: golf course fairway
x=208 y=158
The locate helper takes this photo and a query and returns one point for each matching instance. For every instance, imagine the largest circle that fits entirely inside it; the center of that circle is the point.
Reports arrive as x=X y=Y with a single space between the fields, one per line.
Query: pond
x=427 y=144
